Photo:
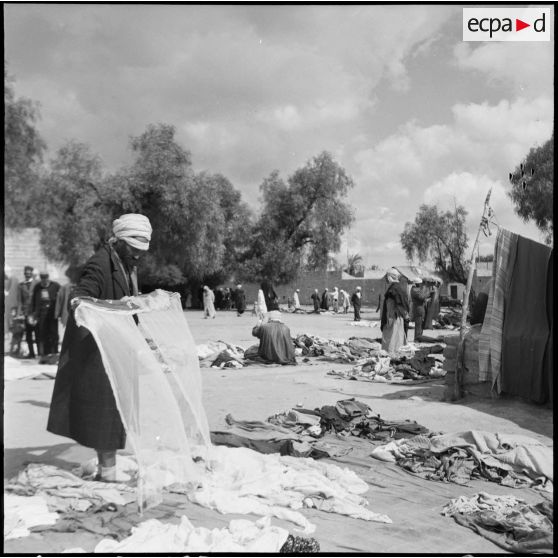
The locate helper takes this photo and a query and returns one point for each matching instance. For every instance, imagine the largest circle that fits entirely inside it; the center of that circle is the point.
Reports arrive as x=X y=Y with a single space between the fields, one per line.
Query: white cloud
x=525 y=67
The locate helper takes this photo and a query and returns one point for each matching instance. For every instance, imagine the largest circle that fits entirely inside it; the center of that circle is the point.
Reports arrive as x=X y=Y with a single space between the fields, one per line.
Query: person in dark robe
x=276 y=344
x=43 y=305
x=432 y=309
x=418 y=296
x=270 y=296
x=325 y=299
x=227 y=299
x=83 y=405
x=240 y=300
x=24 y=295
x=396 y=307
x=356 y=301
x=316 y=300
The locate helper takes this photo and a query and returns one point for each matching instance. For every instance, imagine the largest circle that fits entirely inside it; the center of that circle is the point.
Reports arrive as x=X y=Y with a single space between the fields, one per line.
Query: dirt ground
x=254 y=393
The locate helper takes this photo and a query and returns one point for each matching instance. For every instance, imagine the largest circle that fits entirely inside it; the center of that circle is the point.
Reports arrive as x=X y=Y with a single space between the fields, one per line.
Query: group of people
x=83 y=405
x=225 y=299
x=338 y=300
x=397 y=310
x=40 y=305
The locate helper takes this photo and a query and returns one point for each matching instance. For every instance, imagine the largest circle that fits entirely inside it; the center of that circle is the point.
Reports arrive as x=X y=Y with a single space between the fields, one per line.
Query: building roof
x=414 y=272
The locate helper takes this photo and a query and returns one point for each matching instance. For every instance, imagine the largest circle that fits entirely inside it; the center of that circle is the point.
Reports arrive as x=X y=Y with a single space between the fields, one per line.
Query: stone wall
x=22 y=248
x=307 y=282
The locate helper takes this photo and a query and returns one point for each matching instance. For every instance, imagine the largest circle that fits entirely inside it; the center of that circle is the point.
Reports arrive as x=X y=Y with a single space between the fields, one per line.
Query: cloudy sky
x=413 y=113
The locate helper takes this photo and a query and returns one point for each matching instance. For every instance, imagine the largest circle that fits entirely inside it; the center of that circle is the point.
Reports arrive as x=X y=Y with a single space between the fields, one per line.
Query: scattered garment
x=506 y=521
x=300 y=545
x=65 y=491
x=153 y=536
x=239 y=480
x=417 y=363
x=23 y=512
x=514 y=461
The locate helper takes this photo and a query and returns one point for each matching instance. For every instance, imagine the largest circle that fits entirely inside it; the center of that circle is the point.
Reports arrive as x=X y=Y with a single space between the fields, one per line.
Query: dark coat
x=240 y=300
x=398 y=294
x=276 y=344
x=83 y=405
x=43 y=309
x=356 y=301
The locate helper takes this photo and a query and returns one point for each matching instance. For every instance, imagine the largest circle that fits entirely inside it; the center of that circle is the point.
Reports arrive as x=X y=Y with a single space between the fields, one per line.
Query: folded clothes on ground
x=507 y=521
x=513 y=461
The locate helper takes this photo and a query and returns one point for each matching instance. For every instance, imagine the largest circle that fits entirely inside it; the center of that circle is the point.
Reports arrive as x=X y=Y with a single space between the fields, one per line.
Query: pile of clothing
x=509 y=522
x=332 y=350
x=448 y=318
x=418 y=364
x=218 y=354
x=325 y=431
x=514 y=461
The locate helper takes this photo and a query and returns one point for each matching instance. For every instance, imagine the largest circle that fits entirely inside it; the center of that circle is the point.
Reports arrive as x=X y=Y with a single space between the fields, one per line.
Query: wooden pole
x=462 y=330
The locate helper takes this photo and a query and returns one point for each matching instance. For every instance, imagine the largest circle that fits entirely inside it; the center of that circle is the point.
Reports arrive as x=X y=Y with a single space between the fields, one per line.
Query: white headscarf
x=134 y=229
x=274 y=316
x=393 y=275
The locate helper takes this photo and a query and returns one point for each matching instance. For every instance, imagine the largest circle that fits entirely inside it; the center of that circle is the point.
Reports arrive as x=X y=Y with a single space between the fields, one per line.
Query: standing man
x=325 y=299
x=83 y=406
x=335 y=298
x=296 y=300
x=356 y=301
x=316 y=300
x=418 y=296
x=208 y=302
x=24 y=294
x=345 y=300
x=43 y=304
x=240 y=300
x=396 y=307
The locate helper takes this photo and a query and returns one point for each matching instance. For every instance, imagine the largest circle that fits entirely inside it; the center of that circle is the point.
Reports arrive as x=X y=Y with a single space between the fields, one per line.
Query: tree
x=354 y=264
x=75 y=203
x=195 y=233
x=23 y=154
x=301 y=222
x=440 y=236
x=533 y=188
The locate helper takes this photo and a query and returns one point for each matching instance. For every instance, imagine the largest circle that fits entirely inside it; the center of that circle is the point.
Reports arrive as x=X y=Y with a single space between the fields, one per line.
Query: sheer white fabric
x=154 y=373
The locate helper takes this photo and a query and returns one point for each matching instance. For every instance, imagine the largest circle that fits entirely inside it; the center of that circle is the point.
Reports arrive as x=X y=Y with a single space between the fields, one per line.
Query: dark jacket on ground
x=83 y=405
x=276 y=344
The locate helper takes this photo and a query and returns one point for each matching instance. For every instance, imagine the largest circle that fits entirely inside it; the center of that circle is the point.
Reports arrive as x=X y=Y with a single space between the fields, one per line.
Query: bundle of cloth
x=507 y=521
x=510 y=460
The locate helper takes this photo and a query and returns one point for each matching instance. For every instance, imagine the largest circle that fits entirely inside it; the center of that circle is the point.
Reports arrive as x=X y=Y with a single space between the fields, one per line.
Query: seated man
x=276 y=345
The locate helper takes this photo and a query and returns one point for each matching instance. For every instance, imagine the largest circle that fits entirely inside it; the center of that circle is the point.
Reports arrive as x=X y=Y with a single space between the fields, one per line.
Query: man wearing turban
x=395 y=309
x=83 y=406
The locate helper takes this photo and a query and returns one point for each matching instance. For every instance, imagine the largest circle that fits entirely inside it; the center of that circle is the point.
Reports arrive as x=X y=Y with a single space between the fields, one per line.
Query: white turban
x=393 y=275
x=134 y=229
x=274 y=316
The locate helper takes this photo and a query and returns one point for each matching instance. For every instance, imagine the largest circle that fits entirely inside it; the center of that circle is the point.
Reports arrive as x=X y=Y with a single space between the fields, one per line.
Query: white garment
x=22 y=512
x=158 y=395
x=240 y=480
x=261 y=305
x=296 y=300
x=241 y=536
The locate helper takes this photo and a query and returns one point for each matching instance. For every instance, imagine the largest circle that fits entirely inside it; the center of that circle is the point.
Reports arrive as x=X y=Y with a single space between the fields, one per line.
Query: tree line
x=203 y=230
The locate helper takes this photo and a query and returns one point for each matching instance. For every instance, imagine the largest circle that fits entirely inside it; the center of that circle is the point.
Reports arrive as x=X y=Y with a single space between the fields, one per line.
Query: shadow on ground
x=15 y=459
x=531 y=416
